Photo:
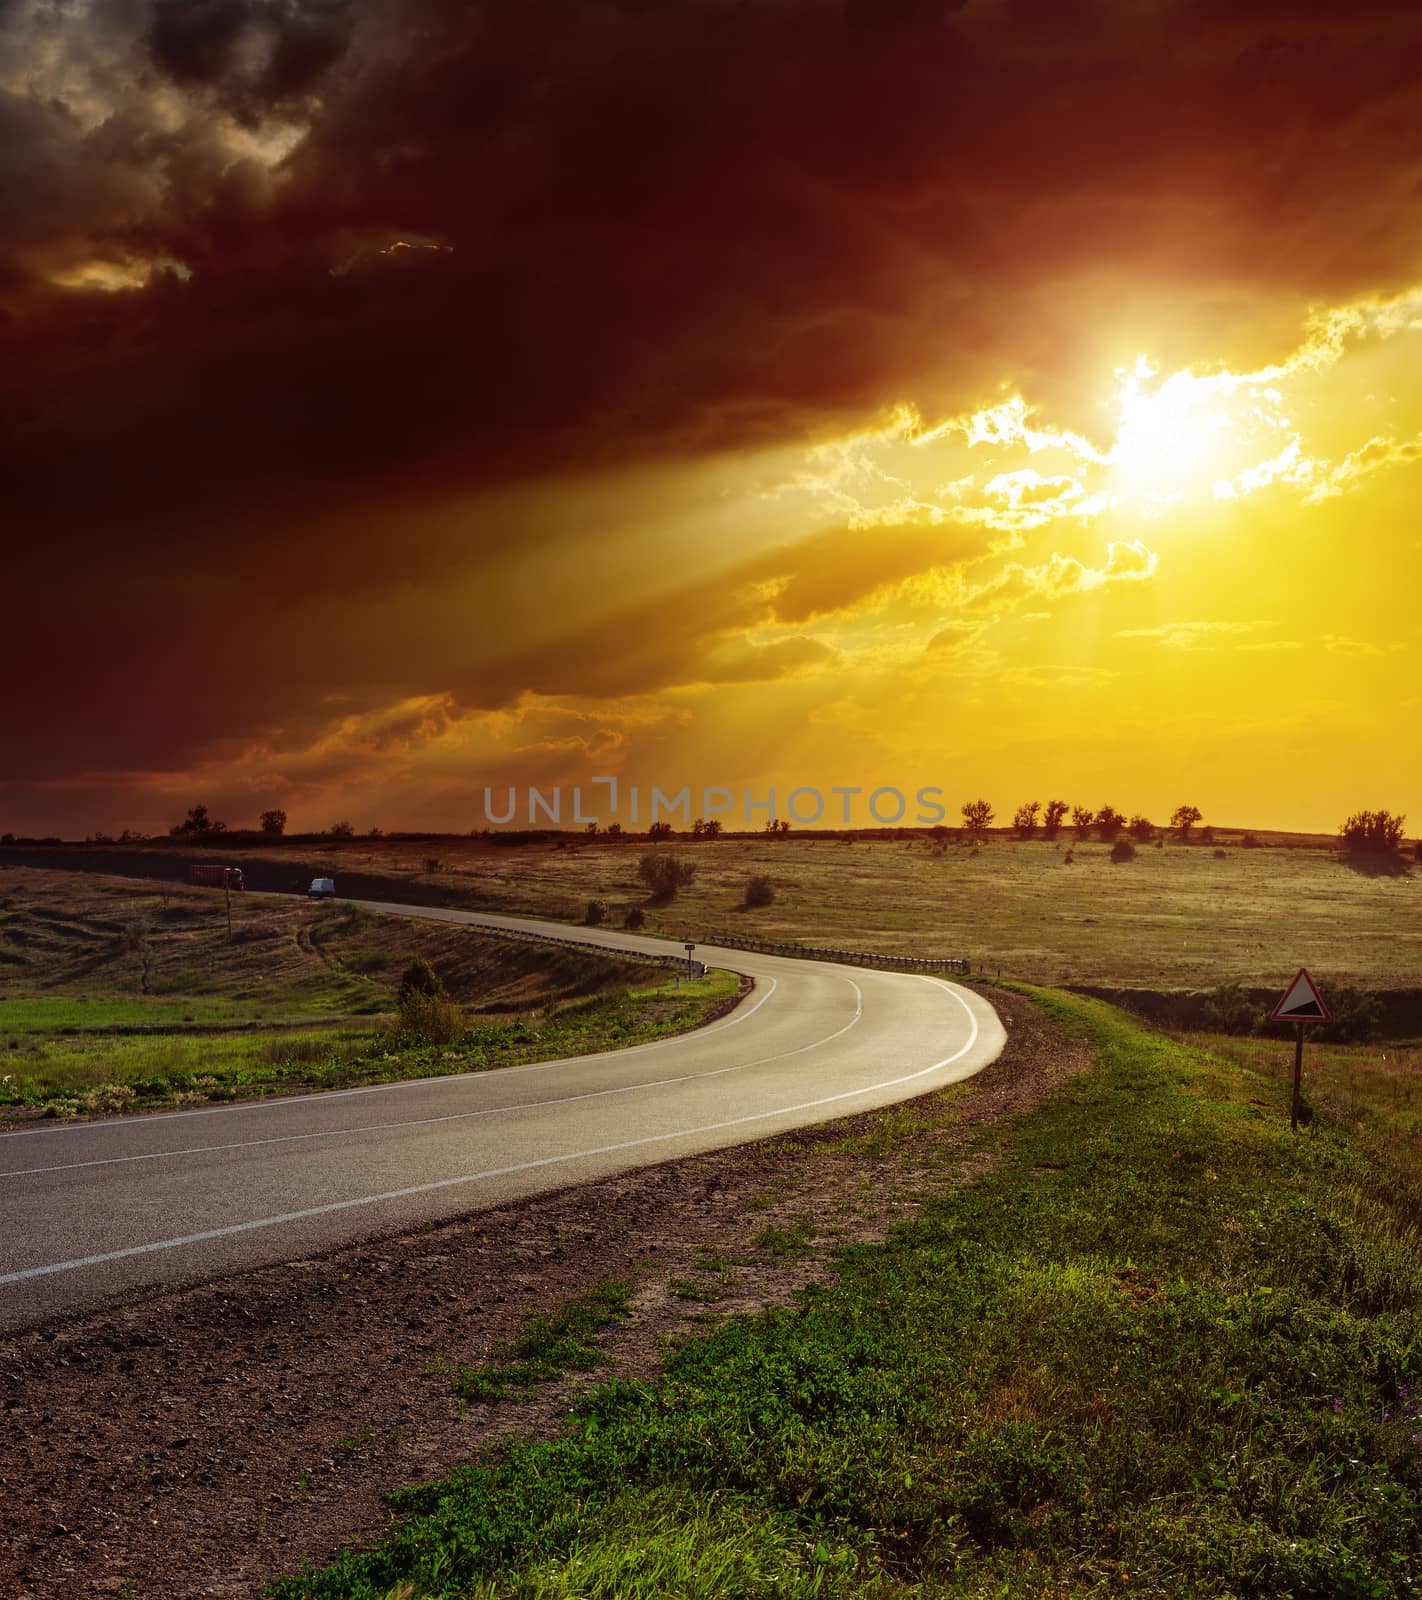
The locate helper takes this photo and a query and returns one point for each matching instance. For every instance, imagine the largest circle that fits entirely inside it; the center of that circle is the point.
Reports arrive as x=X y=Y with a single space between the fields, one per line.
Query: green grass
x=548 y=1348
x=1374 y=1090
x=63 y=1014
x=1162 y=1348
x=72 y=1073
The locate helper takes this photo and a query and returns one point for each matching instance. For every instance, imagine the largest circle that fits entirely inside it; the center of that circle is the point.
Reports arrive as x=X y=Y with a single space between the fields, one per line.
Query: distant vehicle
x=217 y=877
x=322 y=889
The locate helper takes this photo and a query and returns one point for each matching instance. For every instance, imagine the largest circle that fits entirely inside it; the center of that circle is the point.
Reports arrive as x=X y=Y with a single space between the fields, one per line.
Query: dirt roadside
x=200 y=1441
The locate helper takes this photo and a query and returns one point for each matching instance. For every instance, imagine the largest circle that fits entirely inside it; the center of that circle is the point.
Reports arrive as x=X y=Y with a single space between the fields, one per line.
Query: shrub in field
x=420 y=978
x=760 y=891
x=424 y=1012
x=635 y=918
x=595 y=914
x=1123 y=850
x=1377 y=831
x=664 y=874
x=428 y=1019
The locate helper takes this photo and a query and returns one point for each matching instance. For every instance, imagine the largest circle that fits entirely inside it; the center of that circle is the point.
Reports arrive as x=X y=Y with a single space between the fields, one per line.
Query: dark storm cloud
x=522 y=237
x=254 y=54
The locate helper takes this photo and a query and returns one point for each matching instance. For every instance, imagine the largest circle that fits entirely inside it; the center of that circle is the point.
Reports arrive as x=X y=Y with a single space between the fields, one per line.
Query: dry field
x=1175 y=917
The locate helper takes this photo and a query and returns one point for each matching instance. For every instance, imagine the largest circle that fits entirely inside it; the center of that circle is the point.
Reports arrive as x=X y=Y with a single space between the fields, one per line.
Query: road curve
x=93 y=1212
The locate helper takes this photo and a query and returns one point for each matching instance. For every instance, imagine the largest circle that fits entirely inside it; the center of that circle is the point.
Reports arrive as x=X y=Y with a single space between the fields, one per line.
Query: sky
x=404 y=398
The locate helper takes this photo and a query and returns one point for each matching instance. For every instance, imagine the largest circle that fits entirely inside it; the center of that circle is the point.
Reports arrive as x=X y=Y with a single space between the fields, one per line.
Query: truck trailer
x=216 y=877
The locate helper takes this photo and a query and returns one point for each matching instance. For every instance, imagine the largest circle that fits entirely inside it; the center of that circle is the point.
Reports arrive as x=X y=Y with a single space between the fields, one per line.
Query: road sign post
x=690 y=970
x=1301 y=1004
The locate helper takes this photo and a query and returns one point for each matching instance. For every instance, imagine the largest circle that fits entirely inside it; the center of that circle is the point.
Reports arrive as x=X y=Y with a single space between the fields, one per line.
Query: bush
x=1355 y=1014
x=760 y=891
x=1230 y=1010
x=664 y=874
x=1376 y=831
x=595 y=914
x=1249 y=842
x=424 y=1012
x=635 y=918
x=428 y=1019
x=1123 y=850
x=419 y=978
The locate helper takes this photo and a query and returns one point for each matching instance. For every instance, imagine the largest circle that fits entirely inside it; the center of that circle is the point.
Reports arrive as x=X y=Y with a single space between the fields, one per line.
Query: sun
x=1169 y=439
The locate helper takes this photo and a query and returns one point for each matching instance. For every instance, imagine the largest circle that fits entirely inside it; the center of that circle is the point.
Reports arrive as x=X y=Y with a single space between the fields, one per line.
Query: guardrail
x=853 y=958
x=737 y=941
x=696 y=969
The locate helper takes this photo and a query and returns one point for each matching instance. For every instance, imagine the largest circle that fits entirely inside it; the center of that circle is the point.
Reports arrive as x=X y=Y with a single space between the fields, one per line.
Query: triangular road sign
x=1301 y=1003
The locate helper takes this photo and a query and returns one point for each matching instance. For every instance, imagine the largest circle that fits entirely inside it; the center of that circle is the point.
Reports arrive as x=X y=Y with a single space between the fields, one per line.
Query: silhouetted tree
x=777 y=829
x=977 y=818
x=660 y=830
x=1052 y=818
x=274 y=823
x=1109 y=823
x=342 y=830
x=707 y=828
x=1025 y=818
x=1082 y=819
x=197 y=822
x=1141 y=829
x=1183 y=818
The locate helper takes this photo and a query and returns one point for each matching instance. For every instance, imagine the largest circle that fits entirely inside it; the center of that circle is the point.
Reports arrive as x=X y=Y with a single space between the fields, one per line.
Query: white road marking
x=453 y=1116
x=497 y=1172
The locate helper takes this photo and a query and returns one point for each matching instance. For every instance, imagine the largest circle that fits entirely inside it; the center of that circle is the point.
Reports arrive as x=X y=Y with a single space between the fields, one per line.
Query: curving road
x=96 y=1211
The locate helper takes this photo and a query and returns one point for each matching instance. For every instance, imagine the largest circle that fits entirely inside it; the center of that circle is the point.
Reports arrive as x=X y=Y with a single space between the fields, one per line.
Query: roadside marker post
x=690 y=971
x=1301 y=1004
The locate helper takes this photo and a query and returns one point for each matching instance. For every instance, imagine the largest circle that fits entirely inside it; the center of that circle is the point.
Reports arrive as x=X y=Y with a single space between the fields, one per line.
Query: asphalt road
x=96 y=1212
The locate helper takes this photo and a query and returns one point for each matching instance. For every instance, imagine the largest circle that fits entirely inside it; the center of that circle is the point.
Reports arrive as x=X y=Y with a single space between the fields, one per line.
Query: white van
x=322 y=889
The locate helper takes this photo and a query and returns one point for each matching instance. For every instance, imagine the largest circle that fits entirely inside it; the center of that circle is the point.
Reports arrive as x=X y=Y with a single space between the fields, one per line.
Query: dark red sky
x=316 y=315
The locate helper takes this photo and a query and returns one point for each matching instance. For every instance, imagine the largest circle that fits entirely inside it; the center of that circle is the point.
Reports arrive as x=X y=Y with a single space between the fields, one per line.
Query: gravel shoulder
x=198 y=1442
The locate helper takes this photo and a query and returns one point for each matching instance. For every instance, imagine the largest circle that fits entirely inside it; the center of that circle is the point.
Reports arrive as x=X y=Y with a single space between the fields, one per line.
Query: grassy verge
x=61 y=1075
x=1375 y=1090
x=1163 y=1348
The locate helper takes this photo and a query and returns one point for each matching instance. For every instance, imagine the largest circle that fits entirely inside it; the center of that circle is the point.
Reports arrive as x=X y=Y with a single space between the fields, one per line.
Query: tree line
x=1106 y=823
